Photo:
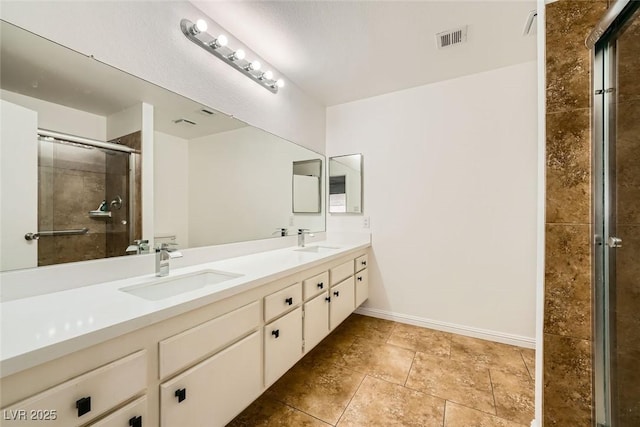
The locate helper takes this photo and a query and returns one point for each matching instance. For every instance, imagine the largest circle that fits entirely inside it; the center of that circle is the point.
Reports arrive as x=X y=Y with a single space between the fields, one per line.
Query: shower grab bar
x=36 y=236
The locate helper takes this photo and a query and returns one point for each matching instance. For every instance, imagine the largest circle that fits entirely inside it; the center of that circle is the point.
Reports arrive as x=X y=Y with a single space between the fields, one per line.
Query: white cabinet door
x=213 y=392
x=282 y=345
x=342 y=301
x=362 y=286
x=316 y=320
x=18 y=186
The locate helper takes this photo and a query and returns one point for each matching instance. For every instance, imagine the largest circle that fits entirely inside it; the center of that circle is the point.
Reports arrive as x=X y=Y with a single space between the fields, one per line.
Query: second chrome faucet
x=163 y=255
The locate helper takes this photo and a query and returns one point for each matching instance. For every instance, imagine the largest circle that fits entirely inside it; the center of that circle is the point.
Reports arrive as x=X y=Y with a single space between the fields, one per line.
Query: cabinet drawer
x=206 y=338
x=135 y=413
x=341 y=272
x=90 y=394
x=316 y=320
x=315 y=285
x=215 y=390
x=281 y=301
x=362 y=286
x=361 y=262
x=342 y=302
x=282 y=345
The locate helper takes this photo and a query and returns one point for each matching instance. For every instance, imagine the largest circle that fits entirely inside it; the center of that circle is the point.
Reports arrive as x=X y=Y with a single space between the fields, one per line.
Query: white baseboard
x=484 y=334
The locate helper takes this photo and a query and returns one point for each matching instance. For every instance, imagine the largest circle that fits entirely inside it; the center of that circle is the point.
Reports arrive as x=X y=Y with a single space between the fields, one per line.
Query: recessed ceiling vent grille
x=452 y=37
x=206 y=112
x=184 y=122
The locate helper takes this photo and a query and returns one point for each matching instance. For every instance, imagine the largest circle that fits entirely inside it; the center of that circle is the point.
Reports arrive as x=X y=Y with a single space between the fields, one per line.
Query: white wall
x=450 y=187
x=59 y=118
x=144 y=39
x=171 y=187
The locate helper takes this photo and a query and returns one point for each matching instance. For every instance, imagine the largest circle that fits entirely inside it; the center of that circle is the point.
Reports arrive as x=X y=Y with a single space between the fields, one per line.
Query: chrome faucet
x=163 y=255
x=301 y=233
x=138 y=247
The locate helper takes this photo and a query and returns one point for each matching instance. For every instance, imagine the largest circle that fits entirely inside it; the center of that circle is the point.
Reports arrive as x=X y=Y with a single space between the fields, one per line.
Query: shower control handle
x=614 y=242
x=31 y=236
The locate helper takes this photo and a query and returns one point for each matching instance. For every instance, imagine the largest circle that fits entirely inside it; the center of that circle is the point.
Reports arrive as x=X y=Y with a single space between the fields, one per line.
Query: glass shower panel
x=83 y=202
x=625 y=204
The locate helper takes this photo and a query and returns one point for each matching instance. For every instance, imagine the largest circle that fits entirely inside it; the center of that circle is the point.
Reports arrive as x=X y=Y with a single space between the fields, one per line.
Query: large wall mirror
x=345 y=184
x=79 y=139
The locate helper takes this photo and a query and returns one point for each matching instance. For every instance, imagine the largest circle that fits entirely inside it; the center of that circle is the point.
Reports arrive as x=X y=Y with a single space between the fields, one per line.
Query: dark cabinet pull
x=363 y=262
x=328 y=299
x=83 y=405
x=276 y=333
x=360 y=278
x=321 y=285
x=289 y=301
x=181 y=394
x=135 y=422
x=336 y=293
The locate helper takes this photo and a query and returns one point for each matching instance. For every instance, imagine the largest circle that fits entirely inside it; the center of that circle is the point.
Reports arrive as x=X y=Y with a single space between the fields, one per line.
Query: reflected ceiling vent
x=452 y=37
x=184 y=122
x=206 y=112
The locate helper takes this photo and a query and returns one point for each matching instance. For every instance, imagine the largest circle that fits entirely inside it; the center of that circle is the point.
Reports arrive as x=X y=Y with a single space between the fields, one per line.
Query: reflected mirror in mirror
x=74 y=145
x=307 y=186
x=345 y=184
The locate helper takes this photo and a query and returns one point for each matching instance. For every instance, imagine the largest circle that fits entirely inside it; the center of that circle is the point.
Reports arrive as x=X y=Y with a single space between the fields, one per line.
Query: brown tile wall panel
x=567 y=382
x=568 y=281
x=568 y=397
x=569 y=167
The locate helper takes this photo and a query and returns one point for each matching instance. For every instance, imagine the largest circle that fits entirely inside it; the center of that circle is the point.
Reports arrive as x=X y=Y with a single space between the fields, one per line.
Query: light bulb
x=267 y=75
x=280 y=83
x=253 y=66
x=200 y=27
x=237 y=55
x=219 y=42
x=222 y=40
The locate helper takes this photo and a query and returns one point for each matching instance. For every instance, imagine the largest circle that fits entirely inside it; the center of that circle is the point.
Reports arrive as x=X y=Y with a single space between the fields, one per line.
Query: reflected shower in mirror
x=84 y=191
x=345 y=184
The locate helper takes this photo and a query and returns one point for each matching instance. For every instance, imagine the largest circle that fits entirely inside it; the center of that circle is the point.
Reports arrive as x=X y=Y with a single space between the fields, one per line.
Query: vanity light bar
x=217 y=46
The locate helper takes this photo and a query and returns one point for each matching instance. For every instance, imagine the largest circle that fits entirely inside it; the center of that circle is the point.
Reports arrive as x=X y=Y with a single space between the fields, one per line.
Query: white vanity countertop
x=41 y=328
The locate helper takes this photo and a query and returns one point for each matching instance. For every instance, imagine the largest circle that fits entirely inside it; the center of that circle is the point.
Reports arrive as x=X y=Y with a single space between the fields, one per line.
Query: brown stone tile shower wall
x=568 y=340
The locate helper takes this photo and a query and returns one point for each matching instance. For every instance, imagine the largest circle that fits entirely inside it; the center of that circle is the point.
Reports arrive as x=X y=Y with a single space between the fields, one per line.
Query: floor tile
x=529 y=357
x=421 y=339
x=395 y=405
x=460 y=382
x=266 y=412
x=461 y=416
x=379 y=360
x=514 y=396
x=487 y=353
x=366 y=327
x=323 y=392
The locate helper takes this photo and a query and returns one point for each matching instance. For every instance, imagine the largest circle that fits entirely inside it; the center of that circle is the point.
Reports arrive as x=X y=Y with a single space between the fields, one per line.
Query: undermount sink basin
x=317 y=249
x=172 y=286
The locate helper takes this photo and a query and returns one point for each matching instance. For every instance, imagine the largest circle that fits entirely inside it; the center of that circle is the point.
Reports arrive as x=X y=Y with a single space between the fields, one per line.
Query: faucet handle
x=164 y=246
x=302 y=230
x=282 y=231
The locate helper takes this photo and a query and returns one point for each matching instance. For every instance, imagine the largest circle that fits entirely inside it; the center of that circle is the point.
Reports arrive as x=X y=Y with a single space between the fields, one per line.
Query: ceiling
x=77 y=81
x=341 y=51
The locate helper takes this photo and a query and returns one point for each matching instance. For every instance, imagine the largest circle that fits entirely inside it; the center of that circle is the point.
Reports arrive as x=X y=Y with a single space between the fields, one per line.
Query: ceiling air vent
x=206 y=112
x=452 y=37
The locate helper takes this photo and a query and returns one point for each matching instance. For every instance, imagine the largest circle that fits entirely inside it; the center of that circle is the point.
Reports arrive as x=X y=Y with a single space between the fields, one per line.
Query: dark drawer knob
x=363 y=262
x=83 y=405
x=328 y=299
x=135 y=422
x=181 y=394
x=276 y=333
x=336 y=293
x=360 y=278
x=321 y=285
x=289 y=301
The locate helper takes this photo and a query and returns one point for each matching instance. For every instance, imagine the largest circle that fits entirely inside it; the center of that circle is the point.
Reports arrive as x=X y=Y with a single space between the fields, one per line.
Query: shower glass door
x=617 y=222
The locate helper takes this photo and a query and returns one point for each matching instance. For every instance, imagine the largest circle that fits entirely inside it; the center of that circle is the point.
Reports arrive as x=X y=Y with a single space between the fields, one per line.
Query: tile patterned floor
x=373 y=372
